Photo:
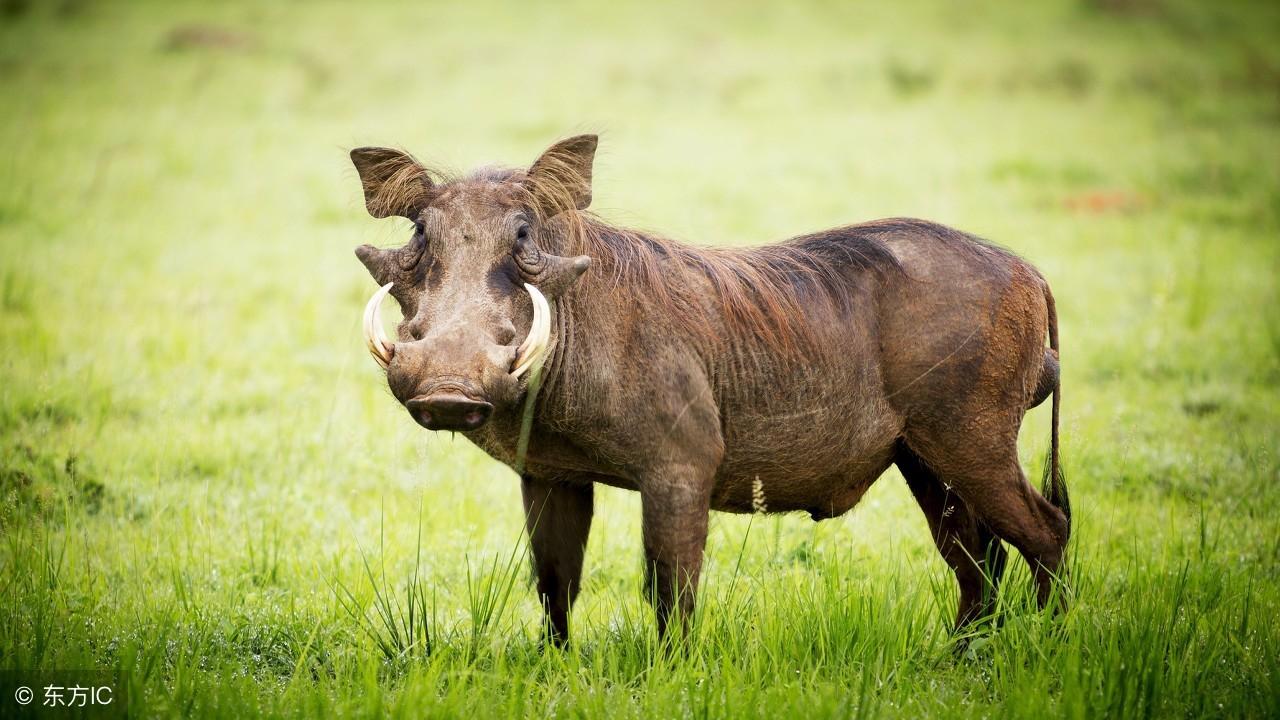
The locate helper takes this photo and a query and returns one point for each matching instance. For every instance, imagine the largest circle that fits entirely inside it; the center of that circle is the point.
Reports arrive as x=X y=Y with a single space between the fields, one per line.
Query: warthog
x=780 y=378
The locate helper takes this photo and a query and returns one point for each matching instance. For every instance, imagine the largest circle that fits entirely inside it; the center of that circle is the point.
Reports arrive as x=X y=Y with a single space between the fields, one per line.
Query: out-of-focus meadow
x=208 y=493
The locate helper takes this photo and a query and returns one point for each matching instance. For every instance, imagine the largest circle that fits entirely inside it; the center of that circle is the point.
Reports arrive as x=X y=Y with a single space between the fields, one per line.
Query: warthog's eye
x=410 y=254
x=523 y=245
x=525 y=252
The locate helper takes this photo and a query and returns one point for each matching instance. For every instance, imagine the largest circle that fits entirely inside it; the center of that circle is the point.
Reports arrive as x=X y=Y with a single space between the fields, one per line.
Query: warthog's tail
x=1054 y=487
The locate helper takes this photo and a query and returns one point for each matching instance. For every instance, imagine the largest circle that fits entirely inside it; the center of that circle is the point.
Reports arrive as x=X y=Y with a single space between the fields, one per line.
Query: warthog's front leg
x=676 y=448
x=558 y=517
x=675 y=510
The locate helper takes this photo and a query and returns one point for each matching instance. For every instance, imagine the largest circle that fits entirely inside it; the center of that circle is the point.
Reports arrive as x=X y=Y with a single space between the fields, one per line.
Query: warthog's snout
x=530 y=351
x=449 y=411
x=450 y=377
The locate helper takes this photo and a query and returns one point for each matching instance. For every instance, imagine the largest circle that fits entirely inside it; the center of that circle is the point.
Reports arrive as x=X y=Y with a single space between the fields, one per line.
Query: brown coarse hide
x=779 y=378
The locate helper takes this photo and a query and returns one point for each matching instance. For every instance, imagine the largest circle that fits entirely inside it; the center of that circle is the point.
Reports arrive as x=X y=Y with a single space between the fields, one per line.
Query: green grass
x=208 y=492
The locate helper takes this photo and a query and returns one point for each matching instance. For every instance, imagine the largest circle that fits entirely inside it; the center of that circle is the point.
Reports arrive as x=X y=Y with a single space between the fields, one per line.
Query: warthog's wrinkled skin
x=781 y=378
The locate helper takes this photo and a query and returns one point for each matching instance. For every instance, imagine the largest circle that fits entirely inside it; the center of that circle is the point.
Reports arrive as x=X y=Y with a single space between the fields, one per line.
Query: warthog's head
x=475 y=280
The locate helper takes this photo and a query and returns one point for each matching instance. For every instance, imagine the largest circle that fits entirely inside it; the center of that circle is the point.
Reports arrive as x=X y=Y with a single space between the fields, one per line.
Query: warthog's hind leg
x=982 y=467
x=967 y=545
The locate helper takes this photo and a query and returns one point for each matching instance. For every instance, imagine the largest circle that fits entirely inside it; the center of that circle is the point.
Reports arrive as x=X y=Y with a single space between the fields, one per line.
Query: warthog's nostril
x=449 y=411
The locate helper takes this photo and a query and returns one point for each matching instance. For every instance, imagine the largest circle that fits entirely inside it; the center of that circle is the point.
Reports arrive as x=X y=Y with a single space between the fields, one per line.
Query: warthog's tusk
x=535 y=345
x=374 y=338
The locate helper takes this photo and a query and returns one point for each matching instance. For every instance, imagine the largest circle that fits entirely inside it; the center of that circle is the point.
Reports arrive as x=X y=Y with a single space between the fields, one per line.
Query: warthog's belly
x=822 y=497
x=820 y=460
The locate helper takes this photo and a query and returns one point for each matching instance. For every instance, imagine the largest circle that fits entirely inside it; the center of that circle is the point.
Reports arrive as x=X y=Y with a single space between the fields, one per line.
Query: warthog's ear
x=560 y=180
x=394 y=183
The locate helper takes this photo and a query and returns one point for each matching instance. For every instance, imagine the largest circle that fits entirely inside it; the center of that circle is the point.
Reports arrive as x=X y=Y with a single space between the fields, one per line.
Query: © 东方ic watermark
x=75 y=696
x=26 y=693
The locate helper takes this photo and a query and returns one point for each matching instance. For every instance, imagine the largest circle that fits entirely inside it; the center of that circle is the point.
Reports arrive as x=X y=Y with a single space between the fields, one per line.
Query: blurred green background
x=208 y=491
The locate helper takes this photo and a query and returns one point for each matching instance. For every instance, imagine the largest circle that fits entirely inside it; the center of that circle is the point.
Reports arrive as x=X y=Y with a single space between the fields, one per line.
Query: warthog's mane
x=780 y=292
x=774 y=292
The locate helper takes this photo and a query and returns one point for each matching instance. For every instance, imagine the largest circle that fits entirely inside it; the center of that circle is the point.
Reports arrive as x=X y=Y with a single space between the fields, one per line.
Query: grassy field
x=209 y=495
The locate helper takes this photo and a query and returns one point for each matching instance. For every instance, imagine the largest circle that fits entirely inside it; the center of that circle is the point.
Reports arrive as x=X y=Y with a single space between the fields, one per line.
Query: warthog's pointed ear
x=560 y=180
x=394 y=183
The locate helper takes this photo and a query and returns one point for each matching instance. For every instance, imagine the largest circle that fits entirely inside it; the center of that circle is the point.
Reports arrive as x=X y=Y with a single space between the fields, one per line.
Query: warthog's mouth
x=449 y=411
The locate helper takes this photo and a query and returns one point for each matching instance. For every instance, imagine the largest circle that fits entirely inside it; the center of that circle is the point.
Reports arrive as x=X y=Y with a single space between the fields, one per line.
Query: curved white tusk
x=533 y=327
x=374 y=338
x=535 y=345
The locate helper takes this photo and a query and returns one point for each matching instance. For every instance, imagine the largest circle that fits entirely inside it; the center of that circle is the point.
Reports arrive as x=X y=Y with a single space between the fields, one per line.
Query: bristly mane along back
x=771 y=292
